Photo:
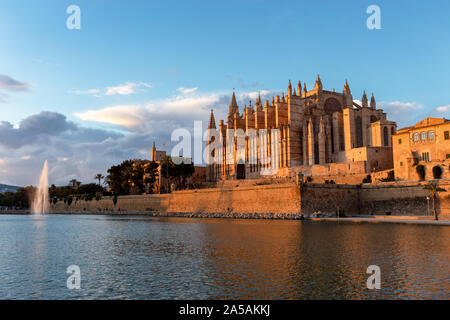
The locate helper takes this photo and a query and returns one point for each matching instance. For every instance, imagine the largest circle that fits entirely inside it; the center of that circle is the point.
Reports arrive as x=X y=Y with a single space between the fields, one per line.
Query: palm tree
x=434 y=189
x=99 y=177
x=74 y=183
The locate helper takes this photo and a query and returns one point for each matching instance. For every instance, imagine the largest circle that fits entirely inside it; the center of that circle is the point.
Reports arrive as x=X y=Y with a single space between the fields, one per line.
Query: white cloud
x=443 y=108
x=127 y=88
x=94 y=92
x=187 y=90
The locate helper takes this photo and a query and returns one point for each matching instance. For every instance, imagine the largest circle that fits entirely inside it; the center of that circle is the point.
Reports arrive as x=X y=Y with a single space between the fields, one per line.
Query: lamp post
x=428 y=206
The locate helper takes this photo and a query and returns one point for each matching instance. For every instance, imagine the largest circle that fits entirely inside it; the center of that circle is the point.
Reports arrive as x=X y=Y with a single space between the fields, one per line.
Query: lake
x=138 y=257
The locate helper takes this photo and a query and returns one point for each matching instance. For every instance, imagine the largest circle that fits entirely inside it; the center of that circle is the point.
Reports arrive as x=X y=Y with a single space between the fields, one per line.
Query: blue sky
x=138 y=69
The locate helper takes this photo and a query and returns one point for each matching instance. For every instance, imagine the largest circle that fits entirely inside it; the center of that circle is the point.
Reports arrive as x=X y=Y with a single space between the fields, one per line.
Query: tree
x=99 y=177
x=177 y=172
x=434 y=189
x=132 y=175
x=74 y=183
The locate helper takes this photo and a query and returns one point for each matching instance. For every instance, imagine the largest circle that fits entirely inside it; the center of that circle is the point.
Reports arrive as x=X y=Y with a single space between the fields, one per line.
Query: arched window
x=416 y=137
x=359 y=133
x=386 y=136
x=423 y=136
x=392 y=131
x=430 y=135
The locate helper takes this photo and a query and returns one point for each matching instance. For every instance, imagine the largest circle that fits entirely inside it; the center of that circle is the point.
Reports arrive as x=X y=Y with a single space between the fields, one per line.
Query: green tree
x=434 y=189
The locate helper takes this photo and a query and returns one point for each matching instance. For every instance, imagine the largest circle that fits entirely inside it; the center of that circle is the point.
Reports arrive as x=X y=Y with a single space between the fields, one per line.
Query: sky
x=85 y=99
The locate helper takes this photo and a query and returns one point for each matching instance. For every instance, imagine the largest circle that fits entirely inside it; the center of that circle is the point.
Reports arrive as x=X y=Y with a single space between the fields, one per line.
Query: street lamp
x=428 y=206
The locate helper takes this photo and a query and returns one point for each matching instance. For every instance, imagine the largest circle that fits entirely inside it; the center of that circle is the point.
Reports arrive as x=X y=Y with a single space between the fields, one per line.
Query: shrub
x=309 y=179
x=69 y=201
x=420 y=169
x=437 y=172
x=115 y=199
x=367 y=179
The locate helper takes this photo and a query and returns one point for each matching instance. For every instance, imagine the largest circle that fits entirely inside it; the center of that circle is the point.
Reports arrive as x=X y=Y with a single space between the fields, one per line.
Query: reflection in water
x=174 y=258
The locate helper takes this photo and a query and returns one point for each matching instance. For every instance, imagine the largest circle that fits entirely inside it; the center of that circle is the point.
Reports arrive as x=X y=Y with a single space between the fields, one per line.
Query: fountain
x=40 y=203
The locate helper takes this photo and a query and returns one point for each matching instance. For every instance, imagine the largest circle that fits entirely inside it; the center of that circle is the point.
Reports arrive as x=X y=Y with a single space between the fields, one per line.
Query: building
x=305 y=131
x=426 y=143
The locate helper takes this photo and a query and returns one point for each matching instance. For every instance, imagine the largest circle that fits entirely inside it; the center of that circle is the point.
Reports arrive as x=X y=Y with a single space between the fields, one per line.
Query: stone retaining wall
x=280 y=200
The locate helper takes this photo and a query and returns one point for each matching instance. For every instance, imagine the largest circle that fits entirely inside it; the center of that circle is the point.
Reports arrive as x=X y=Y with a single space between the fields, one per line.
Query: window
x=399 y=141
x=430 y=135
x=423 y=136
x=425 y=156
x=401 y=164
x=386 y=136
x=446 y=135
x=447 y=156
x=416 y=137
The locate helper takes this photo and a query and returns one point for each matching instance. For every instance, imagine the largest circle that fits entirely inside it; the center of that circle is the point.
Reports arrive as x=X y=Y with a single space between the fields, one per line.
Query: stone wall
x=278 y=198
x=327 y=198
x=283 y=198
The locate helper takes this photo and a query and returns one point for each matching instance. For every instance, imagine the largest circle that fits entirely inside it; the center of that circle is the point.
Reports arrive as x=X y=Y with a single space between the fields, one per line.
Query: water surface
x=177 y=258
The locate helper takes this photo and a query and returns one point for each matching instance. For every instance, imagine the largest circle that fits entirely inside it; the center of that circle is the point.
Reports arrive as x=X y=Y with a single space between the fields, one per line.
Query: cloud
x=94 y=92
x=187 y=90
x=10 y=84
x=76 y=151
x=127 y=88
x=443 y=108
x=404 y=113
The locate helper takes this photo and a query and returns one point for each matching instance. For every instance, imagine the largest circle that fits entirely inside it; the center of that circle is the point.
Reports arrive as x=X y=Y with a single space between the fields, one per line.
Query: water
x=40 y=203
x=177 y=258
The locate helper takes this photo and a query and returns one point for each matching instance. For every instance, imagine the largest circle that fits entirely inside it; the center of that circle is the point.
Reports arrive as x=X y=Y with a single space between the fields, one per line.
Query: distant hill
x=6 y=188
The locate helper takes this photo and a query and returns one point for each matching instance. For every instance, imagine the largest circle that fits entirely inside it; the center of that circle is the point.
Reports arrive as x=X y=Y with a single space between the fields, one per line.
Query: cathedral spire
x=212 y=121
x=373 y=103
x=233 y=105
x=294 y=93
x=318 y=84
x=299 y=88
x=289 y=88
x=365 y=103
x=347 y=88
x=304 y=89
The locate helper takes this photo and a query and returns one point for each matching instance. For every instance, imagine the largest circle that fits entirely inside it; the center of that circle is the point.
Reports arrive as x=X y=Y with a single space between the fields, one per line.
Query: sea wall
x=277 y=198
x=397 y=199
x=328 y=198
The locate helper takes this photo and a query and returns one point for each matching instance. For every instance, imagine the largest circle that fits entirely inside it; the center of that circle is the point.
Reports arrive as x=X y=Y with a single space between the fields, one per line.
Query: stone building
x=300 y=131
x=426 y=143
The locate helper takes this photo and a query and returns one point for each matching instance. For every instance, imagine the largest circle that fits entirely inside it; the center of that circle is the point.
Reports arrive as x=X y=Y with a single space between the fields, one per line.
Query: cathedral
x=309 y=132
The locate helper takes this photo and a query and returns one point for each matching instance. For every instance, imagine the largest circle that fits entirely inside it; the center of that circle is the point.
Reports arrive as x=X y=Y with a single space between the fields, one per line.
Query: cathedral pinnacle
x=318 y=84
x=233 y=105
x=373 y=103
x=212 y=121
x=365 y=103
x=347 y=88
